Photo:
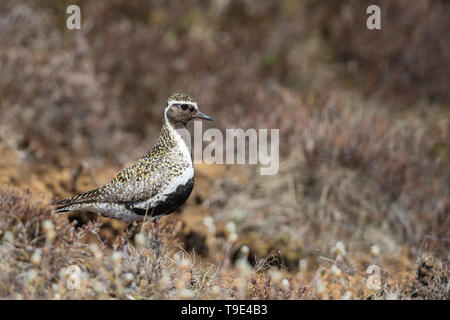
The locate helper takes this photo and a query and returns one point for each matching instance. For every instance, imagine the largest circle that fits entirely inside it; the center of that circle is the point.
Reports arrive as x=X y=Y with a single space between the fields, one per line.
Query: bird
x=155 y=185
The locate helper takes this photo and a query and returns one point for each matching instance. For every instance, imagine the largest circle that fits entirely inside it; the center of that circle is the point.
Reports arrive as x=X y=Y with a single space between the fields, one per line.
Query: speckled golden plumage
x=162 y=156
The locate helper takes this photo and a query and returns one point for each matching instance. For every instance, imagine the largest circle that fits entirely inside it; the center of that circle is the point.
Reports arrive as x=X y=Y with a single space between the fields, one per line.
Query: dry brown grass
x=355 y=174
x=367 y=173
x=40 y=253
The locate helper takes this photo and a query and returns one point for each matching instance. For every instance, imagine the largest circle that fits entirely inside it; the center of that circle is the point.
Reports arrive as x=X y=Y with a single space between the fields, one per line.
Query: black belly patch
x=170 y=204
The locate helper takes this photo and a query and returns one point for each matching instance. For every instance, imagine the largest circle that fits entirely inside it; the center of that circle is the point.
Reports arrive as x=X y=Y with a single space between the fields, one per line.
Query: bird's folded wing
x=133 y=184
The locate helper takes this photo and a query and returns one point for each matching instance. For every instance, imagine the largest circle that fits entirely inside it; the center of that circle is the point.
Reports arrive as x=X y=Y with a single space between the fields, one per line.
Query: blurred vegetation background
x=363 y=114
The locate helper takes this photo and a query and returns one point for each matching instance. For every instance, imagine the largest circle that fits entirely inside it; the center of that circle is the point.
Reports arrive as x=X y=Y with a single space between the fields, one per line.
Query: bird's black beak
x=203 y=116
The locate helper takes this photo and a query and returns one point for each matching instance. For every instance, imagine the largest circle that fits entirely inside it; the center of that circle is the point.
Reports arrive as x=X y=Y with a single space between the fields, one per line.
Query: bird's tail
x=70 y=207
x=76 y=202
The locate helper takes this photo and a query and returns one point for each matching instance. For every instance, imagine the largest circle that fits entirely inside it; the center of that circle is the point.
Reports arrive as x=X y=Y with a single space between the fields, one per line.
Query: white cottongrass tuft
x=338 y=250
x=347 y=295
x=36 y=258
x=209 y=224
x=374 y=251
x=116 y=257
x=230 y=227
x=336 y=270
x=303 y=265
x=276 y=276
x=140 y=240
x=285 y=284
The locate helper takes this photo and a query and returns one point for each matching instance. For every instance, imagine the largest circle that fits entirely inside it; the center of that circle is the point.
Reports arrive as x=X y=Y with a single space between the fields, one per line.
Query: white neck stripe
x=181 y=143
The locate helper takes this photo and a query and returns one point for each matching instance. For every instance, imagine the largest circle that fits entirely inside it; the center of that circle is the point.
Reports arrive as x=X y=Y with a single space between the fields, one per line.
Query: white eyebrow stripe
x=183 y=102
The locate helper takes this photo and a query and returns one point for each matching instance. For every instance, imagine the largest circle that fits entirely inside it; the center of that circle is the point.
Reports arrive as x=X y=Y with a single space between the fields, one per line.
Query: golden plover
x=156 y=184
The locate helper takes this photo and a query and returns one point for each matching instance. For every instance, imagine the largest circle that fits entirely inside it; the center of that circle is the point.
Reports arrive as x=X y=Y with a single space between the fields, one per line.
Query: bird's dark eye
x=184 y=106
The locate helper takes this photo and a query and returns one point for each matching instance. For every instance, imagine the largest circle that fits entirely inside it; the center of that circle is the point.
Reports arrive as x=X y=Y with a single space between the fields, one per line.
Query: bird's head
x=182 y=108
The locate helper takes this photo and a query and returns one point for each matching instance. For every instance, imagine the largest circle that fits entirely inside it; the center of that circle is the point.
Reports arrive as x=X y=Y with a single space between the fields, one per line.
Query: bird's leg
x=155 y=220
x=125 y=241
